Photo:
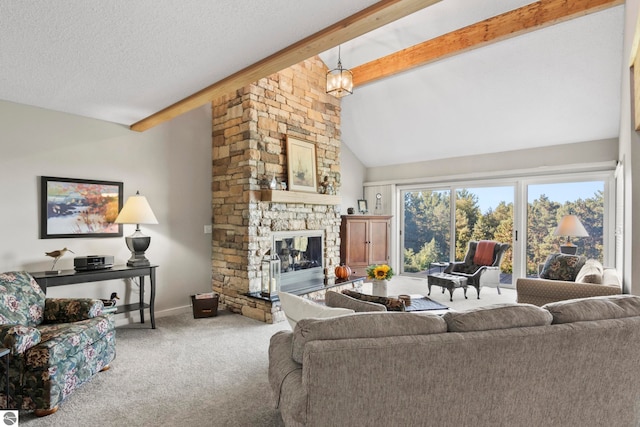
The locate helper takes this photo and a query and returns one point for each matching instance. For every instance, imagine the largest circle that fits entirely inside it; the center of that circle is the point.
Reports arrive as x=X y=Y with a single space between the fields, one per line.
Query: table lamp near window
x=569 y=226
x=137 y=211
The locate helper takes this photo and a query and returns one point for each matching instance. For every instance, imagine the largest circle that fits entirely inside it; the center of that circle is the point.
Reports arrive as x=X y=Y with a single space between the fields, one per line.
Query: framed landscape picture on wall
x=301 y=165
x=72 y=207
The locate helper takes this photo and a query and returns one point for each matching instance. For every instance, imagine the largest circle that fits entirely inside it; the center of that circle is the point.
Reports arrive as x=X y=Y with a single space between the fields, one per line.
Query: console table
x=72 y=277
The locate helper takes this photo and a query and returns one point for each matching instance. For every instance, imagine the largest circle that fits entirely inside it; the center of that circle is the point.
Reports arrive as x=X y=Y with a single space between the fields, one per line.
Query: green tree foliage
x=415 y=262
x=467 y=215
x=427 y=218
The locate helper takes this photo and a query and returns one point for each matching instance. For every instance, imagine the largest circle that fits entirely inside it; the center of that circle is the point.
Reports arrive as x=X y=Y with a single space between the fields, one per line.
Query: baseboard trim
x=133 y=317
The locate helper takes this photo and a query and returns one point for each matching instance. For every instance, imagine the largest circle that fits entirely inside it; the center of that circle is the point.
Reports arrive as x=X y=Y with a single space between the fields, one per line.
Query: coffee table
x=422 y=303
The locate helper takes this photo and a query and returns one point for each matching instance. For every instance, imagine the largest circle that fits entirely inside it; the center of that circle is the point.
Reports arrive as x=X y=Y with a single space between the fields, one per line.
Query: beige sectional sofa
x=592 y=279
x=570 y=363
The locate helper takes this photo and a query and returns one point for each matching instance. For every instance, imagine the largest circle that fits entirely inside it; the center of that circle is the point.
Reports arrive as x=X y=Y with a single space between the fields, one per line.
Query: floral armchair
x=479 y=268
x=56 y=344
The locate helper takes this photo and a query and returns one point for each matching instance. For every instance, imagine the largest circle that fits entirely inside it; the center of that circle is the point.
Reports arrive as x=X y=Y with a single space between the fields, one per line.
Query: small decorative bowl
x=406 y=299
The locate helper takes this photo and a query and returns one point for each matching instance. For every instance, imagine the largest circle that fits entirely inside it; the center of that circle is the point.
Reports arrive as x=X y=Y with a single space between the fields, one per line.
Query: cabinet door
x=378 y=241
x=357 y=254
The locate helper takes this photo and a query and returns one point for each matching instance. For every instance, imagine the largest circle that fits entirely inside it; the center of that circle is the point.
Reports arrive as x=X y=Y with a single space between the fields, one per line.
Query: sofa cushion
x=337 y=299
x=21 y=299
x=498 y=316
x=364 y=325
x=392 y=304
x=296 y=308
x=61 y=340
x=610 y=277
x=591 y=272
x=594 y=308
x=562 y=267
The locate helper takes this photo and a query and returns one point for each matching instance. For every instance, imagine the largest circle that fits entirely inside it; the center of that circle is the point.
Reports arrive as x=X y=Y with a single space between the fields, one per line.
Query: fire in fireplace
x=302 y=260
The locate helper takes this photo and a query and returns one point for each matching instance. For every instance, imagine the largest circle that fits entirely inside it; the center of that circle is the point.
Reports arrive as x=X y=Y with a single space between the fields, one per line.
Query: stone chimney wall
x=249 y=148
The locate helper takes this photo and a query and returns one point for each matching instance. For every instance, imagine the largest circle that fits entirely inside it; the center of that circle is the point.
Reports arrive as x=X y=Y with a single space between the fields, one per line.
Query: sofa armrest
x=542 y=291
x=281 y=365
x=18 y=338
x=65 y=310
x=452 y=266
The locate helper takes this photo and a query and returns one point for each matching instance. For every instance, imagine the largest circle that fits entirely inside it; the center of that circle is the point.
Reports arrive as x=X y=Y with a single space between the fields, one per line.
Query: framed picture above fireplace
x=301 y=165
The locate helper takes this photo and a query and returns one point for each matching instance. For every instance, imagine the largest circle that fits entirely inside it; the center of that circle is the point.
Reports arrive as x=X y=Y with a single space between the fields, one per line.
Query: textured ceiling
x=121 y=61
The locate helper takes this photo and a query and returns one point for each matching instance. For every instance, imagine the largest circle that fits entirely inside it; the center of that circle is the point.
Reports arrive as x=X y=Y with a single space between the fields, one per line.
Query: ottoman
x=447 y=281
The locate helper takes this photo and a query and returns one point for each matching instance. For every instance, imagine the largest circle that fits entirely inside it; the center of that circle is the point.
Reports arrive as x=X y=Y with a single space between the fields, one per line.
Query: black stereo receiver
x=92 y=262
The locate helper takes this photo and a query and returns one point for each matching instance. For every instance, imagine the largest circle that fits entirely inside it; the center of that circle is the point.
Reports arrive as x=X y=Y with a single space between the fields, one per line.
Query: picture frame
x=362 y=206
x=73 y=207
x=301 y=165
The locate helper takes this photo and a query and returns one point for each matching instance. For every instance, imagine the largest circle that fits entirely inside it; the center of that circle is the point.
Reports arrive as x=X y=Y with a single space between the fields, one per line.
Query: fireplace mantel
x=280 y=196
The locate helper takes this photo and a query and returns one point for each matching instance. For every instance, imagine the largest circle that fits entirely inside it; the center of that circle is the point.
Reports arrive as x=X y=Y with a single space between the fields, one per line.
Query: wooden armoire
x=364 y=241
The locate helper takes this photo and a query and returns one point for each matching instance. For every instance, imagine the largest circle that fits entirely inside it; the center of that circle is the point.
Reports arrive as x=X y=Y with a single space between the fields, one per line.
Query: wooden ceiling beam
x=375 y=16
x=528 y=18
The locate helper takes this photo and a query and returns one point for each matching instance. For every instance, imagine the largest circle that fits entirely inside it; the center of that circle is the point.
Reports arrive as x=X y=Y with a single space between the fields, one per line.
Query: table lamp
x=569 y=226
x=137 y=211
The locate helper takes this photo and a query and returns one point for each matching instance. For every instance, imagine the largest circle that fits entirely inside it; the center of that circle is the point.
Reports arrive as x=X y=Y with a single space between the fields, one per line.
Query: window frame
x=520 y=209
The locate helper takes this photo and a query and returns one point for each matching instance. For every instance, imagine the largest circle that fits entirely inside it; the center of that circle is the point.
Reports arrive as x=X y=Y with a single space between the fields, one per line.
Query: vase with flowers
x=380 y=275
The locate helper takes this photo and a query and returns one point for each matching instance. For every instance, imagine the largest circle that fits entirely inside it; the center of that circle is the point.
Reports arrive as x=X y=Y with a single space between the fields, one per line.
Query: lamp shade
x=136 y=211
x=570 y=226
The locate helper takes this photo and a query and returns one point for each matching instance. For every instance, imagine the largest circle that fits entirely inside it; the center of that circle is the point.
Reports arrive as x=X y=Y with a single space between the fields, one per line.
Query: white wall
x=352 y=173
x=552 y=156
x=630 y=156
x=169 y=164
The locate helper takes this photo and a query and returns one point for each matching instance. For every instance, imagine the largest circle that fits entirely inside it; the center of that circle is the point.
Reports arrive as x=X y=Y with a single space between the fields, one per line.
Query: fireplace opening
x=301 y=259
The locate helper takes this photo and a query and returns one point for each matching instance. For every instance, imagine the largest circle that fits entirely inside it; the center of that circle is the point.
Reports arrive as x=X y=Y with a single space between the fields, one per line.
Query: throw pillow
x=591 y=272
x=296 y=308
x=392 y=304
x=562 y=267
x=336 y=299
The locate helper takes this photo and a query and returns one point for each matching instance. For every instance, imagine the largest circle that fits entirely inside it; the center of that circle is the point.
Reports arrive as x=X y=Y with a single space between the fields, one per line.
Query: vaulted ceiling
x=125 y=61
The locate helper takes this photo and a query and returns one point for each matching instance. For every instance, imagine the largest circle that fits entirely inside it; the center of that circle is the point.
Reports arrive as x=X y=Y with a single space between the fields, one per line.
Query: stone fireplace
x=250 y=128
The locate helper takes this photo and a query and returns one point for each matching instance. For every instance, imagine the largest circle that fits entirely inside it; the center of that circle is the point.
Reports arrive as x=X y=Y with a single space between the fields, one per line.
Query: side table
x=438 y=264
x=4 y=354
x=72 y=277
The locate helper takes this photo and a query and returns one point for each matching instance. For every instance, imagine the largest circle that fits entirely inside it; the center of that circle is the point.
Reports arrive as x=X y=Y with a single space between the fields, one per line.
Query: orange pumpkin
x=343 y=271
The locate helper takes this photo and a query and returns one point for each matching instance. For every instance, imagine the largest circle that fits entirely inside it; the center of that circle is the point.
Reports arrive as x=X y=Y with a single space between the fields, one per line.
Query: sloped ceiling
x=125 y=60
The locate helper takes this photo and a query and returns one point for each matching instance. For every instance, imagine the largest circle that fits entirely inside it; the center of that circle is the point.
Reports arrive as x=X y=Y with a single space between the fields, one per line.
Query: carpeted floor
x=197 y=372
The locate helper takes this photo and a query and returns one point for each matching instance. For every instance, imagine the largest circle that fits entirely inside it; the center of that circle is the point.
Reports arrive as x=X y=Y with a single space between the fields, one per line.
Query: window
x=548 y=203
x=437 y=223
x=427 y=229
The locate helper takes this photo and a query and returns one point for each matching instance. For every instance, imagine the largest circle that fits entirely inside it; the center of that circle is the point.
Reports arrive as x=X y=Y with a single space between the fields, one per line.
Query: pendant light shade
x=339 y=80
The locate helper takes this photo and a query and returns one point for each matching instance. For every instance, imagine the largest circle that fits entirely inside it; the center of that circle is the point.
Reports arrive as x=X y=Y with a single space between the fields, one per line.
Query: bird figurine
x=111 y=302
x=56 y=255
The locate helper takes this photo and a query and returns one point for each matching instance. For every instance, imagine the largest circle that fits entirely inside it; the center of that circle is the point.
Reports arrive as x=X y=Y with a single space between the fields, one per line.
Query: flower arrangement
x=380 y=272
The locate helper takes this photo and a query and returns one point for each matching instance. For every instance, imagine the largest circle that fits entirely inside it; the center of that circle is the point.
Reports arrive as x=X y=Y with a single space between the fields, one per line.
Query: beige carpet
x=195 y=372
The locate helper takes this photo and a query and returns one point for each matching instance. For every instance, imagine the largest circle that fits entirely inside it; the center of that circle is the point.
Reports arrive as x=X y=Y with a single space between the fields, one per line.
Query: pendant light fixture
x=339 y=80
